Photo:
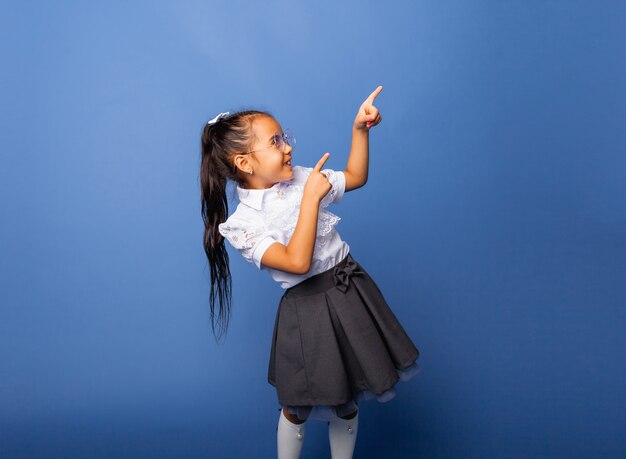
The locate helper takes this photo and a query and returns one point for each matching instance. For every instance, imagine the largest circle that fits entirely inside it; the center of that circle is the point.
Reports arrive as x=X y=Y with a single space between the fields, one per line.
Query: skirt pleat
x=336 y=341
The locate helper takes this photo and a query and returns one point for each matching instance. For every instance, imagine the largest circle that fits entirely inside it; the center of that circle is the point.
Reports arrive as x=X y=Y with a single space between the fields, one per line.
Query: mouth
x=288 y=163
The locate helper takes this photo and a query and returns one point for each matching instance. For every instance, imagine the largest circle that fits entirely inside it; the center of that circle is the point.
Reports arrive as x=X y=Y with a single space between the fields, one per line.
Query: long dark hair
x=221 y=141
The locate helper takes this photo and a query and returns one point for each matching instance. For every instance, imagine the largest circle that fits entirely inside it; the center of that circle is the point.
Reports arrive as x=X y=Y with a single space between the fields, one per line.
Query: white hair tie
x=217 y=118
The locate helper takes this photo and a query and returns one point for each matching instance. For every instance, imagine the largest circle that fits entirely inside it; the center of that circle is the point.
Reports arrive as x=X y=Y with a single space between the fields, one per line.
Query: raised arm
x=358 y=162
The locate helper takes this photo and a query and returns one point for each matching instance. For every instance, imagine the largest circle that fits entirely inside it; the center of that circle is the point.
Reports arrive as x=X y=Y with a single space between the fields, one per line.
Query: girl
x=335 y=339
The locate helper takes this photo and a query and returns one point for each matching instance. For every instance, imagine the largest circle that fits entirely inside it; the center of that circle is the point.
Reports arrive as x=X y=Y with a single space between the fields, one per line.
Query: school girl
x=335 y=340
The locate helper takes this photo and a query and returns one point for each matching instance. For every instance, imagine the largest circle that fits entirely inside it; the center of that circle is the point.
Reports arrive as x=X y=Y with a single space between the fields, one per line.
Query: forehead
x=265 y=128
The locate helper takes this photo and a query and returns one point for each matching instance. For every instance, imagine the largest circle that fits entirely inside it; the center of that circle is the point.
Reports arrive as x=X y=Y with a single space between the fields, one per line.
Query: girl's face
x=268 y=162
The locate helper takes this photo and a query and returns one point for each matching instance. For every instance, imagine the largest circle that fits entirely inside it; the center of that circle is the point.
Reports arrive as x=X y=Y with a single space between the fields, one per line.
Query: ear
x=242 y=163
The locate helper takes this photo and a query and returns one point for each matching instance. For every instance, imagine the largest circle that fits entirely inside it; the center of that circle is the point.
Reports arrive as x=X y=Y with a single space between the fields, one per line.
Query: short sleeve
x=337 y=181
x=249 y=238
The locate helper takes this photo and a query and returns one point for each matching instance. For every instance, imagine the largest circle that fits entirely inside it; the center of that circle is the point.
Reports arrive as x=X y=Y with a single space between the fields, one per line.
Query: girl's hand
x=317 y=184
x=368 y=115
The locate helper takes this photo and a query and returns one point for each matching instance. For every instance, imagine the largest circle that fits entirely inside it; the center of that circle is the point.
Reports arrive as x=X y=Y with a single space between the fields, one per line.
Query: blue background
x=493 y=221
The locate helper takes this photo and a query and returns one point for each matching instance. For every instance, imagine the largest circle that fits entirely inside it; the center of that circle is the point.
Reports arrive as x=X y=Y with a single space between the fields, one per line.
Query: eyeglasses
x=280 y=140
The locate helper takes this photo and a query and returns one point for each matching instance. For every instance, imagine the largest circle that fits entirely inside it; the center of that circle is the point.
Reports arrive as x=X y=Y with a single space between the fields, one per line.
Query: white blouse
x=270 y=215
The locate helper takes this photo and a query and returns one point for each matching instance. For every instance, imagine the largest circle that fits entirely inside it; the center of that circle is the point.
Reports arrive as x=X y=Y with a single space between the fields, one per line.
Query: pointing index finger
x=373 y=95
x=321 y=162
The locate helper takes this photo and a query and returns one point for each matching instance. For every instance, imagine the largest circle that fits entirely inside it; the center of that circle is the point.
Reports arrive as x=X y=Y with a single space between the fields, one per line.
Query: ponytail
x=221 y=141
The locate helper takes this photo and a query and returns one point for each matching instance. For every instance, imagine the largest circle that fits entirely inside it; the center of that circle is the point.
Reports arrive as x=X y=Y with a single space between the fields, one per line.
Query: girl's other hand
x=368 y=115
x=317 y=184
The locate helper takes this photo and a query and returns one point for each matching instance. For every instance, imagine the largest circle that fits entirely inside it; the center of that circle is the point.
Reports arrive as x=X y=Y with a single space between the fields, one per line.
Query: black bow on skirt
x=341 y=276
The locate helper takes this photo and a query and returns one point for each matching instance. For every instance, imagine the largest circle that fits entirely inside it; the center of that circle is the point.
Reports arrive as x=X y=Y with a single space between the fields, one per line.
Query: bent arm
x=296 y=256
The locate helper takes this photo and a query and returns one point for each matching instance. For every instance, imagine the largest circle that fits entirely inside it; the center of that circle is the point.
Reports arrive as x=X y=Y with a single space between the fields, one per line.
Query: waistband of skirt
x=319 y=282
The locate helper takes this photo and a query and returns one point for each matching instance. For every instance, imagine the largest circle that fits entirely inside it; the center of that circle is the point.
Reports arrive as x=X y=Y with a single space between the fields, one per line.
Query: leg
x=342 y=433
x=289 y=436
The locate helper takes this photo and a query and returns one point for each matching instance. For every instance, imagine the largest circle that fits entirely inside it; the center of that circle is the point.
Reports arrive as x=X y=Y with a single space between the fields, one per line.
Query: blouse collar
x=254 y=198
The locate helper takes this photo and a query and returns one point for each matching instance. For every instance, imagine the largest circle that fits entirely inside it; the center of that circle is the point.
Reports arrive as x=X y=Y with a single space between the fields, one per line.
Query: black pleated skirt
x=336 y=342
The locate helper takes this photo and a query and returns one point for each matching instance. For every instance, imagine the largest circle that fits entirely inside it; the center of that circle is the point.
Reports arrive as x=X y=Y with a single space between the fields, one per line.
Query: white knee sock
x=342 y=436
x=289 y=438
